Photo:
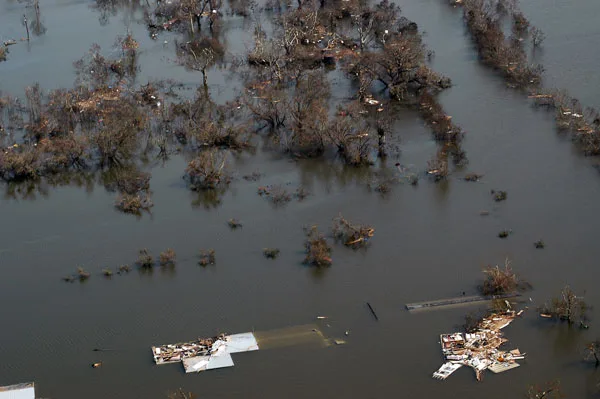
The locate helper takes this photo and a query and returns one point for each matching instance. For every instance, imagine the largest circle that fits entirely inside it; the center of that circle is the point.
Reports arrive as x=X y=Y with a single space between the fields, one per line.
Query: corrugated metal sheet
x=19 y=391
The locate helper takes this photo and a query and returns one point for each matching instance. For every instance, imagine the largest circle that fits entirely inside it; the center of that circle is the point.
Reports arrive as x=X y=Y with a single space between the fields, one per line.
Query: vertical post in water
x=26 y=26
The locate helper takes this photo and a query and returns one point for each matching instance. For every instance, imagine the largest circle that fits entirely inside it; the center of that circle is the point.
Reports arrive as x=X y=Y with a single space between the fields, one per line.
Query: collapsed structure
x=205 y=353
x=478 y=349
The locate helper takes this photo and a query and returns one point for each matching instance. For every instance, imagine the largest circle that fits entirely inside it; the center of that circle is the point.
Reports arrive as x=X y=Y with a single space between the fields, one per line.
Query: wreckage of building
x=205 y=353
x=479 y=349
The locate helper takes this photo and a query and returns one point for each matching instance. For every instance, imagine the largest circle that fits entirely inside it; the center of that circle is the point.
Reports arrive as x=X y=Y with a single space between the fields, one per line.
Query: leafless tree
x=568 y=307
x=550 y=390
x=592 y=352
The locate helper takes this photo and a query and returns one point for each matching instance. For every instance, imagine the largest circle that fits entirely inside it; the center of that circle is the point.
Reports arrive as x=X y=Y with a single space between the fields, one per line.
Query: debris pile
x=478 y=349
x=205 y=353
x=173 y=353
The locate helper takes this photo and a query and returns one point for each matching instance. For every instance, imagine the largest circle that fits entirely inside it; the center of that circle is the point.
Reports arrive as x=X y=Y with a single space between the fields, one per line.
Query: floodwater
x=430 y=242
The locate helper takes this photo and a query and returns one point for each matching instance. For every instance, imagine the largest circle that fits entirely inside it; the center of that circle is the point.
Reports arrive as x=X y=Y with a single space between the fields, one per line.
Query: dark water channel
x=430 y=242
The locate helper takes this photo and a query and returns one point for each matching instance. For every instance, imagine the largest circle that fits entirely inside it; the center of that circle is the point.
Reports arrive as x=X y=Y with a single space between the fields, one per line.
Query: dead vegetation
x=351 y=235
x=207 y=171
x=566 y=307
x=484 y=20
x=234 y=224
x=499 y=195
x=181 y=394
x=3 y=53
x=550 y=390
x=145 y=259
x=271 y=253
x=207 y=257
x=501 y=281
x=571 y=116
x=318 y=251
x=592 y=352
x=167 y=258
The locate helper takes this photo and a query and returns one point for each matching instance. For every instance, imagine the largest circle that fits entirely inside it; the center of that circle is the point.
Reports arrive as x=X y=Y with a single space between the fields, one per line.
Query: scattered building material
x=205 y=354
x=478 y=348
x=18 y=391
x=457 y=301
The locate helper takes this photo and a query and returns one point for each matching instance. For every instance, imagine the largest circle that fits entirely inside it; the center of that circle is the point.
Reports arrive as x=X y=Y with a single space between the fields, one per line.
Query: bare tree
x=550 y=390
x=568 y=307
x=592 y=352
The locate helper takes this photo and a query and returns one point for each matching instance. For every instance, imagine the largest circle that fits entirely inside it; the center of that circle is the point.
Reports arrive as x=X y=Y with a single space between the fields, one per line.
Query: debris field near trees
x=479 y=348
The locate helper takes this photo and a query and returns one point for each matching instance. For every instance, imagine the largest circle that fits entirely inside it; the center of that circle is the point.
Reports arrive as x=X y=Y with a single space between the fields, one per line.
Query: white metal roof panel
x=19 y=391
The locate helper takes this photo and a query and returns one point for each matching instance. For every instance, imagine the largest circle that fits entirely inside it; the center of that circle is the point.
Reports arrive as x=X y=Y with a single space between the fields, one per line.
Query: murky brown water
x=430 y=240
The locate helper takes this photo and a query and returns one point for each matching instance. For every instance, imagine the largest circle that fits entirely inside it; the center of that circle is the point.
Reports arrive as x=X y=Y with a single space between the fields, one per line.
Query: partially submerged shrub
x=271 y=253
x=472 y=177
x=317 y=250
x=504 y=233
x=124 y=269
x=566 y=307
x=107 y=272
x=167 y=258
x=276 y=193
x=234 y=224
x=351 y=235
x=301 y=193
x=540 y=244
x=500 y=281
x=254 y=176
x=133 y=203
x=592 y=352
x=207 y=257
x=145 y=260
x=499 y=195
x=207 y=171
x=82 y=274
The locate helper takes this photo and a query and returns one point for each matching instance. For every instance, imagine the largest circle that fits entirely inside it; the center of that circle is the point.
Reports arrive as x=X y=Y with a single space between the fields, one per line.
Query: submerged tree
x=592 y=352
x=550 y=390
x=566 y=307
x=351 y=235
x=501 y=281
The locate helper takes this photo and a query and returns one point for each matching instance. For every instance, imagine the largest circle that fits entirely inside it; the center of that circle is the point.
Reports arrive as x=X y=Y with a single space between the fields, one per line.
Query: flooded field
x=431 y=240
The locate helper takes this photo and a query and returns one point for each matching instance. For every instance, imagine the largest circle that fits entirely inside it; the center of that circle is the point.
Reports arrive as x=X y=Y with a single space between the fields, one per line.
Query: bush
x=501 y=281
x=271 y=253
x=145 y=260
x=316 y=248
x=167 y=258
x=351 y=235
x=207 y=257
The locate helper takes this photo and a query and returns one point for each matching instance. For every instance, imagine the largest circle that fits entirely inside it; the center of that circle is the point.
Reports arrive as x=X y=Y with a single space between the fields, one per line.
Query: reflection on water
x=430 y=240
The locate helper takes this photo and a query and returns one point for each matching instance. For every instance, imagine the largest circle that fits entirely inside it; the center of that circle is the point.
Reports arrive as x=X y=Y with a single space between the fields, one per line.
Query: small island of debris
x=478 y=348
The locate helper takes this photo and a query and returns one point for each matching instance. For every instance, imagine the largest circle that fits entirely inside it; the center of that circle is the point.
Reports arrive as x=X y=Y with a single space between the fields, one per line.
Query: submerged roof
x=18 y=391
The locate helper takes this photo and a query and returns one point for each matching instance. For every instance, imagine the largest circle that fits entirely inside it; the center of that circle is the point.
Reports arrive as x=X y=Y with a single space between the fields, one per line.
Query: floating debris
x=205 y=354
x=96 y=365
x=478 y=349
